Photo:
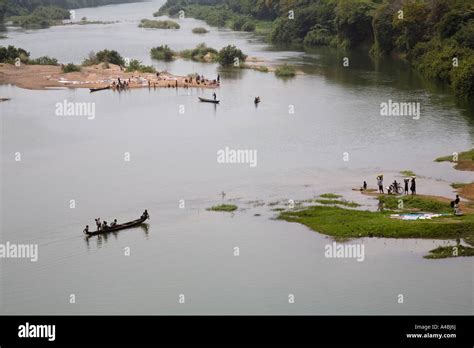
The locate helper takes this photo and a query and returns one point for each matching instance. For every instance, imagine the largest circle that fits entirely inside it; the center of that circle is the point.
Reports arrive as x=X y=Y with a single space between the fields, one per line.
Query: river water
x=172 y=142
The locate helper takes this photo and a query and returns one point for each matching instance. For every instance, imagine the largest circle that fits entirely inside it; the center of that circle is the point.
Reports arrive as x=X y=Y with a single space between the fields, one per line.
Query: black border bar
x=195 y=330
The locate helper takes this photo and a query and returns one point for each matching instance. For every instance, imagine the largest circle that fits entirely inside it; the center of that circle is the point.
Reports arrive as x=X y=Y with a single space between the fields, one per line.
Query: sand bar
x=39 y=77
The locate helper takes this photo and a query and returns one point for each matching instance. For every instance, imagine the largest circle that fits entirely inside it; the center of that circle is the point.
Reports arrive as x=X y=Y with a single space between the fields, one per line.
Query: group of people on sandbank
x=163 y=80
x=396 y=187
x=409 y=185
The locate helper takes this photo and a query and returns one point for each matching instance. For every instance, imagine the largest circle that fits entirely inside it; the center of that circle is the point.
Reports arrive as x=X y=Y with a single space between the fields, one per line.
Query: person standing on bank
x=380 y=183
x=413 y=186
x=407 y=181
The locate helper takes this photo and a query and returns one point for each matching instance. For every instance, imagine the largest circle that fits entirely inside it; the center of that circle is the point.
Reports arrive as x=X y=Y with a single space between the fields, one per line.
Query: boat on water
x=99 y=89
x=124 y=226
x=204 y=100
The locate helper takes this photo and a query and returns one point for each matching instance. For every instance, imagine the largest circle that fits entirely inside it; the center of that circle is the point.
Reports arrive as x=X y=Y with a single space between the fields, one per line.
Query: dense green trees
x=436 y=36
x=11 y=53
x=41 y=17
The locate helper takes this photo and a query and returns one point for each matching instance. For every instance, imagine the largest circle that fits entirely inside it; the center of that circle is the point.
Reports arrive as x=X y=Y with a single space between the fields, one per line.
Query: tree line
x=436 y=36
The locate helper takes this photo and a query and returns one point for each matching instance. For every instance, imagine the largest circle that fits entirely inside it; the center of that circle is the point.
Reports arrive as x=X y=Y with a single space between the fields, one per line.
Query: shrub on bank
x=70 y=68
x=136 y=65
x=230 y=55
x=201 y=53
x=162 y=53
x=285 y=70
x=45 y=60
x=104 y=56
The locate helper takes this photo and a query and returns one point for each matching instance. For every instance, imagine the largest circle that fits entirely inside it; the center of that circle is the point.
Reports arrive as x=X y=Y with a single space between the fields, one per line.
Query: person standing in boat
x=214 y=95
x=97 y=222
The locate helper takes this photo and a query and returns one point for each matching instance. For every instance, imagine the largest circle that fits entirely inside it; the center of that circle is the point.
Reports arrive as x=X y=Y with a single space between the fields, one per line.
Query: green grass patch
x=414 y=203
x=154 y=24
x=407 y=173
x=458 y=185
x=450 y=251
x=330 y=196
x=223 y=207
x=338 y=202
x=285 y=70
x=346 y=223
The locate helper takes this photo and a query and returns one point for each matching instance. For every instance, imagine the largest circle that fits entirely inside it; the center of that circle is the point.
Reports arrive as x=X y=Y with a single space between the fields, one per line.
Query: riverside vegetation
x=435 y=36
x=10 y=54
x=40 y=14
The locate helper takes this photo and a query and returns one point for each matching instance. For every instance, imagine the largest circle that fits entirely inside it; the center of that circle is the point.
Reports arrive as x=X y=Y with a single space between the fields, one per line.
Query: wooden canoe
x=204 y=100
x=99 y=89
x=124 y=226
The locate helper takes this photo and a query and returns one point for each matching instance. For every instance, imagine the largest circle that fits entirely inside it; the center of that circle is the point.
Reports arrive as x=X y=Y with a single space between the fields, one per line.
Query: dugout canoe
x=99 y=89
x=204 y=100
x=124 y=226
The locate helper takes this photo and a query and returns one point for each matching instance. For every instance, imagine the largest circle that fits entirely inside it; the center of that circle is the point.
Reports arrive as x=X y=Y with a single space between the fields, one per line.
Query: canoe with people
x=204 y=100
x=104 y=227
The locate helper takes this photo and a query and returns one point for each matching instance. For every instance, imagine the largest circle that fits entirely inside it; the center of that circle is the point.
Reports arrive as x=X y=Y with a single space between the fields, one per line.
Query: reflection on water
x=103 y=238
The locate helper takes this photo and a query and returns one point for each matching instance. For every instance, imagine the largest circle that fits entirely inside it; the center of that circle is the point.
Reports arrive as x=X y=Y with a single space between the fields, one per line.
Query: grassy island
x=153 y=24
x=342 y=223
x=223 y=207
x=444 y=252
x=464 y=160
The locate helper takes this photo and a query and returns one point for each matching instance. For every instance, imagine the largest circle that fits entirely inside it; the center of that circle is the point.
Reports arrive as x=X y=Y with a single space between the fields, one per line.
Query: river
x=172 y=141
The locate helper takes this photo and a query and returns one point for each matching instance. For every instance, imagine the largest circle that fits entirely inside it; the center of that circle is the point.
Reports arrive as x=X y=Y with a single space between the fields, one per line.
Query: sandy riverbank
x=40 y=77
